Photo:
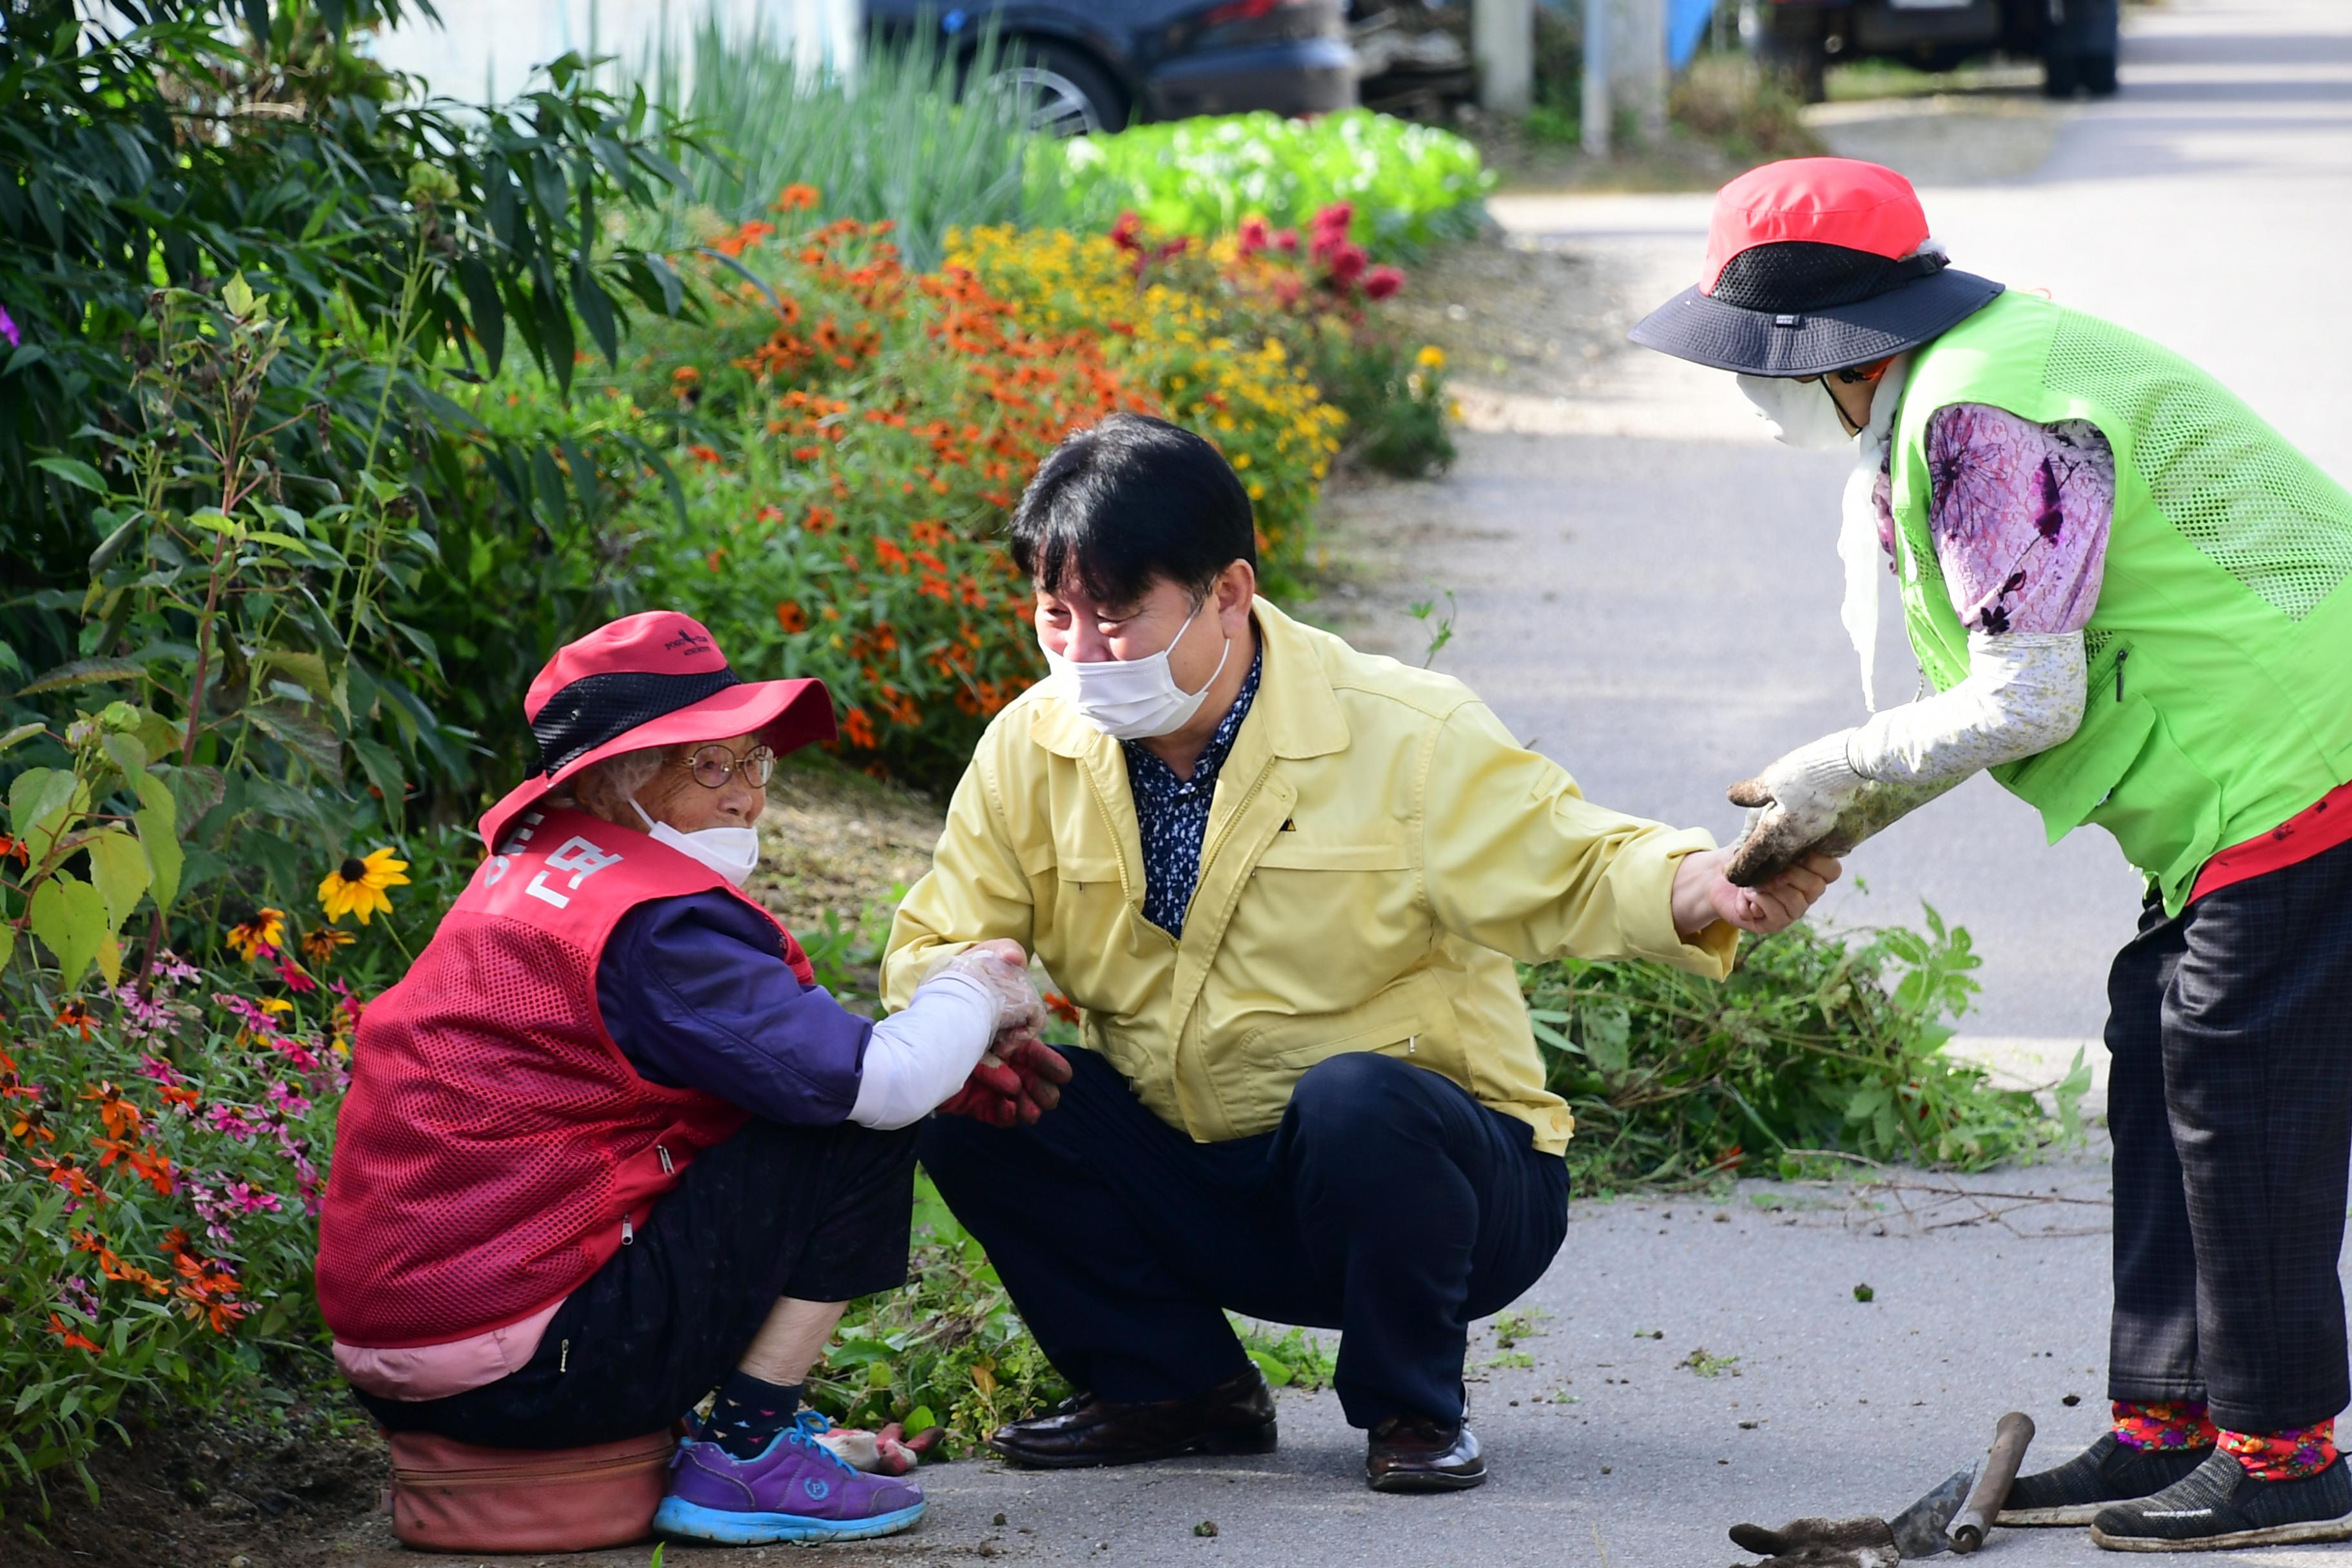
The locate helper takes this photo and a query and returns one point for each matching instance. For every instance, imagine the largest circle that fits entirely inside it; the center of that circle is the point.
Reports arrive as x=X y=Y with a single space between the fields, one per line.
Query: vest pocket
x=2067 y=783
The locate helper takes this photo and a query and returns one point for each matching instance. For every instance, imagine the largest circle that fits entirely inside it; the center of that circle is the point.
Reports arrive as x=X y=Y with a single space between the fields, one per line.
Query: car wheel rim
x=1053 y=104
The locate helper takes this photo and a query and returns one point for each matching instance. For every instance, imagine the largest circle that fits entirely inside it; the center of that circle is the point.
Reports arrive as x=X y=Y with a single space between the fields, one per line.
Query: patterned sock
x=2180 y=1424
x=2287 y=1455
x=748 y=1414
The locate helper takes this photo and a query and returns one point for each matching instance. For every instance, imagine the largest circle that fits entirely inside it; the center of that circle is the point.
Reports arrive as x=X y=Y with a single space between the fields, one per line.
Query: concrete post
x=1596 y=126
x=1503 y=42
x=1637 y=65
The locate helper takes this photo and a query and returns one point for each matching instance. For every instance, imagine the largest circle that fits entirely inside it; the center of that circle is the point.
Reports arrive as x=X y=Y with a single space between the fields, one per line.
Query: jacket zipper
x=2121 y=655
x=666 y=1167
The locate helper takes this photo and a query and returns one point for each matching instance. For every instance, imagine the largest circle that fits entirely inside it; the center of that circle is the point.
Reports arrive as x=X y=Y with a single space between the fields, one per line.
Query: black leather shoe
x=1417 y=1454
x=1236 y=1416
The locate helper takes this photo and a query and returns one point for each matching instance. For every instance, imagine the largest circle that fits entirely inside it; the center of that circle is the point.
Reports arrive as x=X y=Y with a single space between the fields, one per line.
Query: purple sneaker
x=794 y=1490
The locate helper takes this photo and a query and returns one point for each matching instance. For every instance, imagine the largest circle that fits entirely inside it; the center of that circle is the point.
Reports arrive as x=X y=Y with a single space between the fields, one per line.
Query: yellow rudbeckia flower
x=264 y=930
x=356 y=886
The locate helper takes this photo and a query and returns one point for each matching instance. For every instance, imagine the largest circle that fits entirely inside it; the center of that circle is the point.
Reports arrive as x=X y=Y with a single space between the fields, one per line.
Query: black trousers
x=1388 y=1204
x=2230 y=1105
x=818 y=1213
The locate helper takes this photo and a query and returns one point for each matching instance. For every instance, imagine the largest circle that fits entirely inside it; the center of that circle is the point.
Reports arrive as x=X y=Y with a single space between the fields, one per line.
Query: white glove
x=1796 y=804
x=1018 y=1005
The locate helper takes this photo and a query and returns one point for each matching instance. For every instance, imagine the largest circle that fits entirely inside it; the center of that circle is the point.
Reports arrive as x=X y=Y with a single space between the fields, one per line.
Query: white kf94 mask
x=1801 y=413
x=732 y=852
x=1134 y=698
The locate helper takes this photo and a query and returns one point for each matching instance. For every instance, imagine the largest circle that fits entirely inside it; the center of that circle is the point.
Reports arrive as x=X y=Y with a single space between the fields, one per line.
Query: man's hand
x=1794 y=806
x=1043 y=1070
x=1703 y=894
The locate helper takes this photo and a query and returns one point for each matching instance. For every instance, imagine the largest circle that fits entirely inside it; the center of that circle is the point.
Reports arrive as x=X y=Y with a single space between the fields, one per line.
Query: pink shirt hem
x=437 y=1371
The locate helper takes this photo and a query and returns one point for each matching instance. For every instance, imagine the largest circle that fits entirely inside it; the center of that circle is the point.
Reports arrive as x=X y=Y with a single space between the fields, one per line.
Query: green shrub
x=1409 y=184
x=1819 y=1041
x=401 y=247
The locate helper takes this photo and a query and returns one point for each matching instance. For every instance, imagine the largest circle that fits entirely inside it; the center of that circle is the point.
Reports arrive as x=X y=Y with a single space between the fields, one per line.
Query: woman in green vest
x=2134 y=601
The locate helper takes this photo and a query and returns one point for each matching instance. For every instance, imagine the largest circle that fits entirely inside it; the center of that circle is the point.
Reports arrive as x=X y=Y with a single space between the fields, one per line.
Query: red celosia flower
x=1380 y=282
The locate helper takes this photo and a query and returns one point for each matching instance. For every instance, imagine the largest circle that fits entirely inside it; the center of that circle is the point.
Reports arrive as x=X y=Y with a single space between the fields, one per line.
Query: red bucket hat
x=647 y=680
x=1813 y=265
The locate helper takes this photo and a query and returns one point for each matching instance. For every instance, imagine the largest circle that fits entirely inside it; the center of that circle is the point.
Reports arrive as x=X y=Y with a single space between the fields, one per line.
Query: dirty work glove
x=1042 y=1069
x=992 y=1095
x=1018 y=1005
x=1794 y=805
x=1819 y=1543
x=889 y=1452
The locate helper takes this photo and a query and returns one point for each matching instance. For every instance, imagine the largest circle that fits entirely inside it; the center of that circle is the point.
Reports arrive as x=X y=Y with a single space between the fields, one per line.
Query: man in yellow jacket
x=1285 y=882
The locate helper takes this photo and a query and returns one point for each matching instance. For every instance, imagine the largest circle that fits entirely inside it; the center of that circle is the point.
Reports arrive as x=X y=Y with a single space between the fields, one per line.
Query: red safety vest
x=495 y=1146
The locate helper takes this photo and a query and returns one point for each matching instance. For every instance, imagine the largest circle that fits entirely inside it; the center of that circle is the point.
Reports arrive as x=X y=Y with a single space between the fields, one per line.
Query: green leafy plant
x=151 y=153
x=919 y=138
x=1411 y=185
x=947 y=1351
x=1703 y=1363
x=1820 y=1040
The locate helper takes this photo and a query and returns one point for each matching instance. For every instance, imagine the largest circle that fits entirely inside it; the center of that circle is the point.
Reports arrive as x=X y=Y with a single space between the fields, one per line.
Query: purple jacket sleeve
x=696 y=993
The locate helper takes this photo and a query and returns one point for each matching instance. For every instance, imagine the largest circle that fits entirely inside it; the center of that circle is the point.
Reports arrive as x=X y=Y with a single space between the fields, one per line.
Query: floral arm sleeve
x=2020 y=514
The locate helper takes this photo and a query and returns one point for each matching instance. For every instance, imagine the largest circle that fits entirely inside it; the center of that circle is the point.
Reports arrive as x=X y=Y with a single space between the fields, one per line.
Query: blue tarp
x=1687 y=23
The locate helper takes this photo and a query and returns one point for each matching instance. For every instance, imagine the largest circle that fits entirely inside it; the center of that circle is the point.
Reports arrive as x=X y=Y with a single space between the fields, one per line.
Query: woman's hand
x=1704 y=894
x=1002 y=968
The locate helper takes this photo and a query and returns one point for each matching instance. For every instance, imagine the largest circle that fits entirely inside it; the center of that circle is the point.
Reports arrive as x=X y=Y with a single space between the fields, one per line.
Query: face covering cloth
x=1134 y=698
x=1801 y=413
x=1858 y=545
x=732 y=852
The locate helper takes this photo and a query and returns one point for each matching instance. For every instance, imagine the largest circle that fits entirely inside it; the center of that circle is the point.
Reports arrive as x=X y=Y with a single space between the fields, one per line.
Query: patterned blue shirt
x=1174 y=813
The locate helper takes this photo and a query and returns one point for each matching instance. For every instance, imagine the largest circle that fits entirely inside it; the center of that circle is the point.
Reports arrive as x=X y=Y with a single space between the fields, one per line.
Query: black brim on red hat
x=1712 y=331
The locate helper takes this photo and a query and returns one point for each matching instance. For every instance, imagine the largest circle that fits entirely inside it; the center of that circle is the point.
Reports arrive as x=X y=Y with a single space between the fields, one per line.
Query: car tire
x=1065 y=91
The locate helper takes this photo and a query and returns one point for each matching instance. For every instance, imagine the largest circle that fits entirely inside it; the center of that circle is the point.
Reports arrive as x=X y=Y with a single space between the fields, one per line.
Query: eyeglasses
x=713 y=765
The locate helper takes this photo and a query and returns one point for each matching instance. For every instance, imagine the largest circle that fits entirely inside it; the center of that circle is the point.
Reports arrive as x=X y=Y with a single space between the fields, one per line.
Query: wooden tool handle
x=1982 y=1505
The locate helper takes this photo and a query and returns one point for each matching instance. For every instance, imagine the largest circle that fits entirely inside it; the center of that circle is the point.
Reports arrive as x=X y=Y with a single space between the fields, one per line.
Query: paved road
x=1650 y=593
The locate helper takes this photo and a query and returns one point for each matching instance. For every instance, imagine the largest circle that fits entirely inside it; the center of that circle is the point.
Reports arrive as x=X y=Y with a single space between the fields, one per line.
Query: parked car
x=2075 y=39
x=1102 y=64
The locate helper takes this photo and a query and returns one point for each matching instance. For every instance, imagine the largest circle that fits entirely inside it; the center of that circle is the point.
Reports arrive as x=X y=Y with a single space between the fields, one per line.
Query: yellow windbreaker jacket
x=1379 y=850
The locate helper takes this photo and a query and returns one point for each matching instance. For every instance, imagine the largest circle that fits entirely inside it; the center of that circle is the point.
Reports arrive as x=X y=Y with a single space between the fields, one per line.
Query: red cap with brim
x=646 y=681
x=1814 y=265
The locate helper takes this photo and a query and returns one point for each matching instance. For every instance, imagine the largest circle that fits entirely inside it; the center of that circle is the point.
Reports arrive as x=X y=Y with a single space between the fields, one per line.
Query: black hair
x=1129 y=502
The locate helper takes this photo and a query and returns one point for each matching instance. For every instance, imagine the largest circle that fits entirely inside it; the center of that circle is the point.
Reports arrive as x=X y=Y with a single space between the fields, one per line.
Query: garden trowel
x=1953 y=1517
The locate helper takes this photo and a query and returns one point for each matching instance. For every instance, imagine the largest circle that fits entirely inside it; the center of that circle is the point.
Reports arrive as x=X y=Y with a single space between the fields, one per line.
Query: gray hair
x=604 y=789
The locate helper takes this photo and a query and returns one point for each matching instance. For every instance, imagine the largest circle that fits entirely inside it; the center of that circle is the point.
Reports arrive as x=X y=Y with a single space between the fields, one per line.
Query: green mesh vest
x=2220 y=701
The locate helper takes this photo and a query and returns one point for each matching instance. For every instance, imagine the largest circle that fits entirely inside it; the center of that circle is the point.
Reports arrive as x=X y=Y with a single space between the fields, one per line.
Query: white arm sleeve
x=920 y=1055
x=2024 y=693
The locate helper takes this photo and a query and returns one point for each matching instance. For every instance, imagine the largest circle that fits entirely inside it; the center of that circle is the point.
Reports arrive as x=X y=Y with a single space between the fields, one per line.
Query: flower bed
x=852 y=436
x=163 y=1136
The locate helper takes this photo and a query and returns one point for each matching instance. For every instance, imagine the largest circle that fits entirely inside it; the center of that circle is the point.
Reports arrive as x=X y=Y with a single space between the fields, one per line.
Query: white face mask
x=1134 y=698
x=732 y=852
x=1801 y=412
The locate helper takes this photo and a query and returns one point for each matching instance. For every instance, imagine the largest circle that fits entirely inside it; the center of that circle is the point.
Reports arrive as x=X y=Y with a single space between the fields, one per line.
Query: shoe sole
x=1257 y=1440
x=692 y=1522
x=2277 y=1535
x=2046 y=1518
x=1425 y=1481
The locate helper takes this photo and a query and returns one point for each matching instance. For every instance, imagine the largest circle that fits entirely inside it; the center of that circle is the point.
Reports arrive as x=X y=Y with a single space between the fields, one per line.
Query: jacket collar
x=1295 y=701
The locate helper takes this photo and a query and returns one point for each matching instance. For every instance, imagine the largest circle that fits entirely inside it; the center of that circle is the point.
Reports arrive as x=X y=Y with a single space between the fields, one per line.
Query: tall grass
x=919 y=135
